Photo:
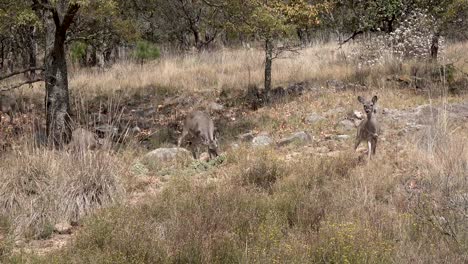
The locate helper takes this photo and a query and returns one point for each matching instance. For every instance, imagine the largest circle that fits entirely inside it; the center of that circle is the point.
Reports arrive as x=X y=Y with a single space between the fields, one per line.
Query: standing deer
x=369 y=129
x=199 y=125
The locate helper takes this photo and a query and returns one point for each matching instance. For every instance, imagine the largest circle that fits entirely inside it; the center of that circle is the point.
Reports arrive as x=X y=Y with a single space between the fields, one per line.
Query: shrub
x=350 y=243
x=78 y=52
x=146 y=51
x=261 y=171
x=41 y=188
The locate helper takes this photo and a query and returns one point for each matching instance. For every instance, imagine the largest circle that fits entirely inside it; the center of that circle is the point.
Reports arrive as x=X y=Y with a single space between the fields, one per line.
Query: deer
x=369 y=129
x=199 y=125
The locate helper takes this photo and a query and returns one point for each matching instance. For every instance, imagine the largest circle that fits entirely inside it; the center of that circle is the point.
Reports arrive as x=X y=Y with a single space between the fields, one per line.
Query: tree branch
x=41 y=5
x=69 y=16
x=355 y=34
x=9 y=88
x=20 y=72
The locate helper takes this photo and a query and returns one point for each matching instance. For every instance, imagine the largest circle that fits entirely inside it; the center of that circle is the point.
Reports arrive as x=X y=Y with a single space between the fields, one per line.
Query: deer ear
x=360 y=99
x=374 y=99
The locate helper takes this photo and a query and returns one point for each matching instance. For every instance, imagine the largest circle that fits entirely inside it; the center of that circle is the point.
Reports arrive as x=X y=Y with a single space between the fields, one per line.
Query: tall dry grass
x=210 y=72
x=40 y=188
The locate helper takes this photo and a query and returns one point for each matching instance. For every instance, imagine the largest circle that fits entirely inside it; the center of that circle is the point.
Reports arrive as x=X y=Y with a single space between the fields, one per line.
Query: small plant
x=78 y=52
x=146 y=51
x=262 y=172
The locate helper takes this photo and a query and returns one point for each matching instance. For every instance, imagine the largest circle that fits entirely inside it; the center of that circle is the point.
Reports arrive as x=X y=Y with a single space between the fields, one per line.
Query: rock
x=246 y=136
x=347 y=125
x=205 y=157
x=297 y=88
x=313 y=118
x=300 y=137
x=135 y=130
x=215 y=107
x=358 y=115
x=262 y=140
x=167 y=154
x=63 y=228
x=336 y=84
x=342 y=137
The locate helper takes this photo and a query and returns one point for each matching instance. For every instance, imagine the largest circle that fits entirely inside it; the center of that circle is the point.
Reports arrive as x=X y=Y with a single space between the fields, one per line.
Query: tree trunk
x=2 y=55
x=58 y=121
x=435 y=46
x=57 y=101
x=268 y=64
x=32 y=50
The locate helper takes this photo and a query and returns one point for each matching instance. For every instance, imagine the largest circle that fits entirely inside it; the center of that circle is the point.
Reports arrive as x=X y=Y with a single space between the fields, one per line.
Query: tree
x=268 y=21
x=356 y=17
x=58 y=17
x=446 y=13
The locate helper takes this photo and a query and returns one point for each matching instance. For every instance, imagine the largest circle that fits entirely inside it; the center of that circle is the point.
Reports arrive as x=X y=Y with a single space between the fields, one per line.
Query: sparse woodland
x=93 y=98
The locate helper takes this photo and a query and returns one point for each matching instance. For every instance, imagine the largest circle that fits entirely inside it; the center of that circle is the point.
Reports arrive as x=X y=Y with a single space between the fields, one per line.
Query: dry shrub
x=351 y=243
x=306 y=195
x=439 y=206
x=42 y=187
x=259 y=169
x=218 y=221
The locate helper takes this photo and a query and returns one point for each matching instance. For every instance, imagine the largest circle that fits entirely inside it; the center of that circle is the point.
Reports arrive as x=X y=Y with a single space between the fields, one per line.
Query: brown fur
x=199 y=125
x=369 y=129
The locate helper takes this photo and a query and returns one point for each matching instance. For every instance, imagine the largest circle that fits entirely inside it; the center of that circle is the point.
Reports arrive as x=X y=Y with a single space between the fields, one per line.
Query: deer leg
x=10 y=115
x=369 y=149
x=374 y=145
x=182 y=137
x=356 y=144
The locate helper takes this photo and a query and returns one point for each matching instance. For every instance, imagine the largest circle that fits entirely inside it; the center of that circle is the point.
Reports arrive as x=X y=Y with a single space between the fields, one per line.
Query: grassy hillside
x=317 y=201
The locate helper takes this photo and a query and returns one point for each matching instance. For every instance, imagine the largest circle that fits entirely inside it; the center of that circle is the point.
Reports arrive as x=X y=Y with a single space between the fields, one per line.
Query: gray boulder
x=63 y=228
x=168 y=154
x=246 y=136
x=313 y=118
x=299 y=137
x=347 y=125
x=215 y=107
x=342 y=137
x=262 y=140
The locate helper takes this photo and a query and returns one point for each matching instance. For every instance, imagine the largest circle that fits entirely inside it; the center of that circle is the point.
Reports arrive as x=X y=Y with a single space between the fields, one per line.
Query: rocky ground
x=302 y=119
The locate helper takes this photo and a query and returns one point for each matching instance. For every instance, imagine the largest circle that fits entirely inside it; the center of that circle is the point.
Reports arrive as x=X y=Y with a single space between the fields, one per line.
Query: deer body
x=369 y=129
x=199 y=125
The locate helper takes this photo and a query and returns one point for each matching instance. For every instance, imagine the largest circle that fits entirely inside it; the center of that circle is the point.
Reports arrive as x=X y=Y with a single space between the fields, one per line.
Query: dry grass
x=40 y=188
x=210 y=72
x=407 y=205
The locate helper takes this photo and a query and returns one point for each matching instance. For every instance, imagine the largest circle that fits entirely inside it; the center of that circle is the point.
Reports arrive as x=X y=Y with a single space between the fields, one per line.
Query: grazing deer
x=8 y=105
x=199 y=125
x=369 y=129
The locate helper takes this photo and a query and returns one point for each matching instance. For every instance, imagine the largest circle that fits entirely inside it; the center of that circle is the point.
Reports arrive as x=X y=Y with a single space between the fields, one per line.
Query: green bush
x=146 y=51
x=78 y=52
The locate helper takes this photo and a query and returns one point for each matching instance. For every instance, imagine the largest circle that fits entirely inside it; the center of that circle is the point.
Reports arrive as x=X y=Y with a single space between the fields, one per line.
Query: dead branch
x=354 y=35
x=20 y=72
x=11 y=87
